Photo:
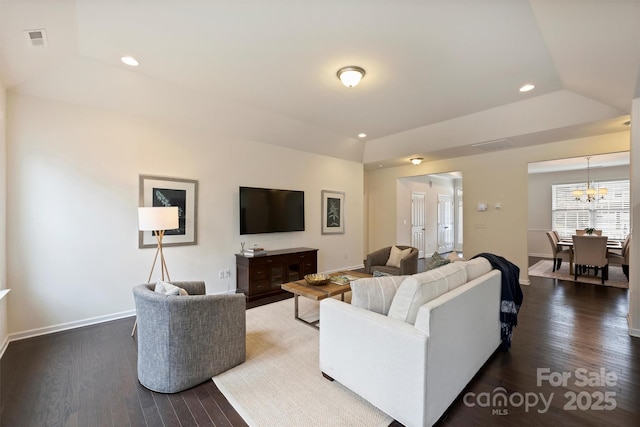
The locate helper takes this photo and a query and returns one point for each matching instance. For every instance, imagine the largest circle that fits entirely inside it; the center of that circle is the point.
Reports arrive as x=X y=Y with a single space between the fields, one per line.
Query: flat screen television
x=265 y=210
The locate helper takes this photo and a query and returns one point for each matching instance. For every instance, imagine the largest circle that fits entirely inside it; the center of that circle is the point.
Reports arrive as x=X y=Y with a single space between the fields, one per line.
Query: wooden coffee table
x=302 y=288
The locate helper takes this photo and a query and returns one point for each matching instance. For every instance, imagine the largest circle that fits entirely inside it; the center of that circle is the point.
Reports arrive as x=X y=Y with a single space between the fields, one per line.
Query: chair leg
x=576 y=268
x=559 y=263
x=555 y=262
x=625 y=270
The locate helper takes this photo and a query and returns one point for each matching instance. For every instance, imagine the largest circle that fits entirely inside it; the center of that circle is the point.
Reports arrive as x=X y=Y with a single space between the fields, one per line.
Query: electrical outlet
x=227 y=273
x=221 y=274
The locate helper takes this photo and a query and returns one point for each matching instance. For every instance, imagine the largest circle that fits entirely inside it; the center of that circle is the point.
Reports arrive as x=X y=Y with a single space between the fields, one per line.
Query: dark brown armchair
x=377 y=261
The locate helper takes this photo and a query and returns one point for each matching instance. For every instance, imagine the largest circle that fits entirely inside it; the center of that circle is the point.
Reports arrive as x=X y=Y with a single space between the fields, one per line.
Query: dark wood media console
x=261 y=276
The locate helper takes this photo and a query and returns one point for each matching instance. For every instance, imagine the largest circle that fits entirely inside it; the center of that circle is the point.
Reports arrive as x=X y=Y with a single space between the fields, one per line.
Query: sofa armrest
x=373 y=355
x=464 y=329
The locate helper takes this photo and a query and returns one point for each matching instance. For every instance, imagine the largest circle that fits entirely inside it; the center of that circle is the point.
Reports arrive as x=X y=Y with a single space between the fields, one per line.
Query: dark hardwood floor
x=87 y=376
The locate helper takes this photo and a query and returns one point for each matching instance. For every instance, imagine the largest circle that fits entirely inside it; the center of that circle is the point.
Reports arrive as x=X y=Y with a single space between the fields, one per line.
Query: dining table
x=568 y=243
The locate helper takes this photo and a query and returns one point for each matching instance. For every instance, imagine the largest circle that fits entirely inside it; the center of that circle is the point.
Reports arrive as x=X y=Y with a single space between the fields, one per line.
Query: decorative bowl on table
x=317 y=279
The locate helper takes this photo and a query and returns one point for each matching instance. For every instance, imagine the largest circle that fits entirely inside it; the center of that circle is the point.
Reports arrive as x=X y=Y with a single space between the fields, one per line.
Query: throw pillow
x=375 y=294
x=167 y=288
x=421 y=288
x=436 y=261
x=453 y=257
x=396 y=256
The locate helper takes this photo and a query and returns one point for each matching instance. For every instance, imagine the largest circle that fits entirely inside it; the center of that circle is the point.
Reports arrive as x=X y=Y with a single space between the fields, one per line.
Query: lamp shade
x=159 y=218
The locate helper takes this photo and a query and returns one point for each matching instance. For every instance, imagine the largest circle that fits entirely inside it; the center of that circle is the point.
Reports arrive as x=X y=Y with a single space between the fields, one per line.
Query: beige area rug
x=544 y=269
x=280 y=384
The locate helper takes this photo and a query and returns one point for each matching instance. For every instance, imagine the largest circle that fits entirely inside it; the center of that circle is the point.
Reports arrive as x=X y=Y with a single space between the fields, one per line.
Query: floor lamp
x=157 y=220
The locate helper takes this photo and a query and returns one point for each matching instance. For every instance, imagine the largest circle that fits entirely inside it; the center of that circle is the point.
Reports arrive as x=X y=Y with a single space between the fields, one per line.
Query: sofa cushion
x=375 y=294
x=477 y=267
x=396 y=256
x=436 y=261
x=418 y=289
x=167 y=288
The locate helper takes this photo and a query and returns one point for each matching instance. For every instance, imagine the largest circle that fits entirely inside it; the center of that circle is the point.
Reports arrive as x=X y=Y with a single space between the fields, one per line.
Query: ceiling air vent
x=498 y=144
x=36 y=38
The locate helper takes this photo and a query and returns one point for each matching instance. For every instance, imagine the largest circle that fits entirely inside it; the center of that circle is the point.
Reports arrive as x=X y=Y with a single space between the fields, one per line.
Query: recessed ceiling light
x=527 y=87
x=130 y=60
x=362 y=135
x=416 y=160
x=627 y=123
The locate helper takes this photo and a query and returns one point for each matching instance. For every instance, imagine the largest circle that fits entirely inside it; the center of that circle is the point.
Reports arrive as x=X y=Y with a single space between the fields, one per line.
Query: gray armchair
x=185 y=340
x=376 y=261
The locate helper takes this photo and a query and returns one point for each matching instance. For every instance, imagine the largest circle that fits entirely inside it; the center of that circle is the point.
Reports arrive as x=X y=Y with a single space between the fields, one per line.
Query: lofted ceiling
x=442 y=77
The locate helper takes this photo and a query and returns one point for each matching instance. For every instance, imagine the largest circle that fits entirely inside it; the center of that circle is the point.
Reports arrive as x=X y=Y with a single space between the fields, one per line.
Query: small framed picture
x=157 y=191
x=332 y=212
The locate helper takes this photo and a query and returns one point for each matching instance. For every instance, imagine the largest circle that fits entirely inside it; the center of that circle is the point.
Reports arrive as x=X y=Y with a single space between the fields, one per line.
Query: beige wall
x=3 y=219
x=634 y=274
x=493 y=177
x=73 y=197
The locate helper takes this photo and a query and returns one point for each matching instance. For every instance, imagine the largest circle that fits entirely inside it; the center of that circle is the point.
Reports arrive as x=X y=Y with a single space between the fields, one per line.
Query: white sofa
x=408 y=358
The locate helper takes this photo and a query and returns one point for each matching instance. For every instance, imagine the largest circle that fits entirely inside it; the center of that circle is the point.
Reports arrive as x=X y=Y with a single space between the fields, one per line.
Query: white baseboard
x=5 y=344
x=541 y=255
x=632 y=332
x=353 y=267
x=71 y=325
x=525 y=282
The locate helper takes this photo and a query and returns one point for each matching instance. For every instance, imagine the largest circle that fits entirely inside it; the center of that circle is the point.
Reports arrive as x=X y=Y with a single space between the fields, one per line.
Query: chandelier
x=592 y=194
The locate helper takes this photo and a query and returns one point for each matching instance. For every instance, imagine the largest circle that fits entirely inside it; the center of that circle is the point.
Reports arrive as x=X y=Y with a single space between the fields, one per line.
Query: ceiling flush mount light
x=350 y=76
x=591 y=193
x=362 y=135
x=527 y=87
x=416 y=160
x=130 y=60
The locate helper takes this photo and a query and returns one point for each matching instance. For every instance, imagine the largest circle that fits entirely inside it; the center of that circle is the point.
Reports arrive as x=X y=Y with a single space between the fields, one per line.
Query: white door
x=445 y=223
x=417 y=222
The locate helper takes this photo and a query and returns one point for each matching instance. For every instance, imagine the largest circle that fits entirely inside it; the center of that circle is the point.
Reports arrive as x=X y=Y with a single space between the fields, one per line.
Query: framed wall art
x=157 y=191
x=332 y=212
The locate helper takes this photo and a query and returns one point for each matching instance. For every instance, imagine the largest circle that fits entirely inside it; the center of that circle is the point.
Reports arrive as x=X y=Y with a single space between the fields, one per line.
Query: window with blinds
x=611 y=214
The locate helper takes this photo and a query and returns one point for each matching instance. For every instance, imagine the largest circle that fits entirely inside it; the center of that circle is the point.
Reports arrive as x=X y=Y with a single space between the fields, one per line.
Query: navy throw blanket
x=511 y=296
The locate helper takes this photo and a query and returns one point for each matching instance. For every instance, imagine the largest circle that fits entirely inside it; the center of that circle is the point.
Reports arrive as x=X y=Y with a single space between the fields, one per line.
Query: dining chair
x=590 y=251
x=558 y=253
x=556 y=234
x=621 y=256
x=580 y=232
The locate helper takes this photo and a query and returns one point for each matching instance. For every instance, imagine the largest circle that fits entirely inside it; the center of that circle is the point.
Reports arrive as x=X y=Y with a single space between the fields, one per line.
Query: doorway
x=445 y=223
x=417 y=213
x=418 y=208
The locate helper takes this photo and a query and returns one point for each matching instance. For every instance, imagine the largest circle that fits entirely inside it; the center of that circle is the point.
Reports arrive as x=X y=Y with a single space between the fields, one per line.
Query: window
x=611 y=214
